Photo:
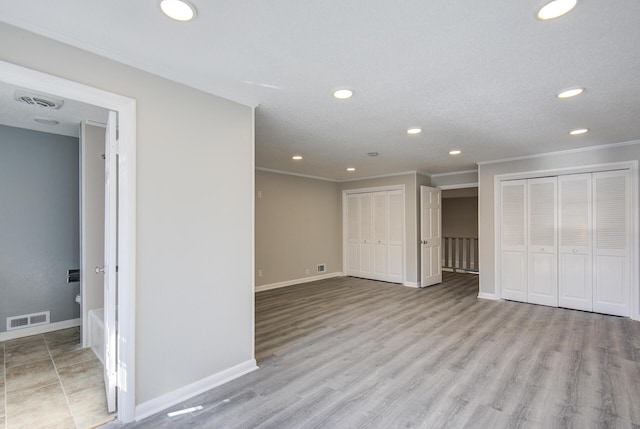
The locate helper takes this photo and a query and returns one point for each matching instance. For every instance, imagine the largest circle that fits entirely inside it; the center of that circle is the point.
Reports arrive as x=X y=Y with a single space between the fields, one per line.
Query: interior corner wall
x=460 y=217
x=195 y=179
x=39 y=224
x=421 y=180
x=486 y=196
x=298 y=226
x=411 y=190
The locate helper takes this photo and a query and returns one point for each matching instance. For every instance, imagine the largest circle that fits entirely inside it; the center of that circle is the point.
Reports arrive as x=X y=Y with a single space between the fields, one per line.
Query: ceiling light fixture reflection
x=296 y=157
x=414 y=130
x=351 y=169
x=455 y=152
x=578 y=131
x=180 y=10
x=555 y=9
x=568 y=93
x=343 y=93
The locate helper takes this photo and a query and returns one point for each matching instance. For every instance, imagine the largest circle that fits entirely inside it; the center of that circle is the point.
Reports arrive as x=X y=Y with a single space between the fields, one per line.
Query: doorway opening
x=460 y=229
x=123 y=374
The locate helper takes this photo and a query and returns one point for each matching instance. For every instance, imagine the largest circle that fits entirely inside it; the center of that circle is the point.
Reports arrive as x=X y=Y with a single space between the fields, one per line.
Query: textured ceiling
x=476 y=76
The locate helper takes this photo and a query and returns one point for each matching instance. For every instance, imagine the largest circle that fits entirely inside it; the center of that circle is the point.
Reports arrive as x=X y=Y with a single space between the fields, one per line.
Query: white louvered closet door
x=353 y=235
x=366 y=235
x=395 y=237
x=611 y=219
x=513 y=240
x=542 y=264
x=380 y=220
x=575 y=285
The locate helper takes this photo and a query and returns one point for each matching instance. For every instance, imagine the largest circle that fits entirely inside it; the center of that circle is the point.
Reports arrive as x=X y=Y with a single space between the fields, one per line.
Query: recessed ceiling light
x=578 y=131
x=351 y=169
x=568 y=93
x=45 y=121
x=455 y=152
x=343 y=93
x=180 y=10
x=414 y=130
x=556 y=8
x=296 y=157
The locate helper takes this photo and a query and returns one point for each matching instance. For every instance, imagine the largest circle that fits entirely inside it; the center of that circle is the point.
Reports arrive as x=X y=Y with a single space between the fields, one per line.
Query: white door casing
x=430 y=236
x=110 y=261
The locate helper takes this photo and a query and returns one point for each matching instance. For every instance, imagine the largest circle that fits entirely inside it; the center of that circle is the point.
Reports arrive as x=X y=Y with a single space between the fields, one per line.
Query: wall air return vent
x=40 y=100
x=27 y=320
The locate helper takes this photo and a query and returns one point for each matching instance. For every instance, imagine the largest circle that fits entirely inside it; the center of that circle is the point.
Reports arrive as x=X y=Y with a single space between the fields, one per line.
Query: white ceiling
x=475 y=76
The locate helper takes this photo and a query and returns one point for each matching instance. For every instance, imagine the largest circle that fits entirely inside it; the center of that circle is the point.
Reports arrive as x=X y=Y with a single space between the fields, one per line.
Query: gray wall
x=195 y=181
x=39 y=226
x=460 y=217
x=486 y=198
x=298 y=226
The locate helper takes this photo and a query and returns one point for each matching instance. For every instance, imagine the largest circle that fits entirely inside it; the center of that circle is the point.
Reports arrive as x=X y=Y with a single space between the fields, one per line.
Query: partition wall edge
x=634 y=267
x=126 y=109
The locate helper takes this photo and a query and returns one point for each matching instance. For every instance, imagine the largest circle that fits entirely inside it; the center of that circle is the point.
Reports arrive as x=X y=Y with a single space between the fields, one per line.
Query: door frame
x=345 y=222
x=632 y=166
x=126 y=110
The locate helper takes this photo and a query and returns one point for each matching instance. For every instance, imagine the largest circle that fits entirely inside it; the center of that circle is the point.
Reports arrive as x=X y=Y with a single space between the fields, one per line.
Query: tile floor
x=48 y=381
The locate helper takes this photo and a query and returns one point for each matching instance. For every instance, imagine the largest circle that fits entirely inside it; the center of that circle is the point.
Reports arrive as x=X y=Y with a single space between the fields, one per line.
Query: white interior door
x=575 y=285
x=353 y=235
x=366 y=236
x=110 y=225
x=395 y=237
x=380 y=220
x=542 y=286
x=611 y=200
x=430 y=236
x=513 y=233
x=92 y=221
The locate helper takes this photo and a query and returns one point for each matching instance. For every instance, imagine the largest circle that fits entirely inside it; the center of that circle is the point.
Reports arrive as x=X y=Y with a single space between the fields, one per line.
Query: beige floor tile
x=63 y=357
x=31 y=375
x=2 y=413
x=82 y=376
x=65 y=336
x=39 y=408
x=24 y=353
x=24 y=340
x=89 y=408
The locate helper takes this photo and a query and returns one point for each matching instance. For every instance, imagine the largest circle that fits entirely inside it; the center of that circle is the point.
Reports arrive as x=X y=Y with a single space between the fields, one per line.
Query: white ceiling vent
x=40 y=100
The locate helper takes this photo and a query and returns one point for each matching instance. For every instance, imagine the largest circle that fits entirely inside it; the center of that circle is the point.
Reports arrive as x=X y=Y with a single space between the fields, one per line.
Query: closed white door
x=431 y=236
x=353 y=235
x=110 y=272
x=366 y=236
x=611 y=219
x=395 y=237
x=542 y=264
x=380 y=231
x=575 y=285
x=513 y=233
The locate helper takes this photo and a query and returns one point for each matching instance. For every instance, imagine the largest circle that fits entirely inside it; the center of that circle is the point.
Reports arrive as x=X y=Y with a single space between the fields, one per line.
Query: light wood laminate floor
x=354 y=353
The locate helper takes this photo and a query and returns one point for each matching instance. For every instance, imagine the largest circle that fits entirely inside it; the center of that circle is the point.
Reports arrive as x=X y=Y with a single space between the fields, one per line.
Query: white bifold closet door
x=374 y=237
x=513 y=240
x=542 y=266
x=612 y=226
x=575 y=242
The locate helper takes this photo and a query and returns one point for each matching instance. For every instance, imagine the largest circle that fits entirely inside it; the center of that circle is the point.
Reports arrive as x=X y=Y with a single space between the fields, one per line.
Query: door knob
x=100 y=270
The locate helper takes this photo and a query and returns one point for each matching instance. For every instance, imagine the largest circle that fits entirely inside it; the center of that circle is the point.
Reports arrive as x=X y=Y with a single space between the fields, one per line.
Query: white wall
x=559 y=160
x=194 y=308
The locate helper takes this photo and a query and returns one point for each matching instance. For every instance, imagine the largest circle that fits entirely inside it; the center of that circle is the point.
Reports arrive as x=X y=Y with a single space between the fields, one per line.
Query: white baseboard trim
x=170 y=399
x=297 y=281
x=411 y=284
x=491 y=296
x=40 y=329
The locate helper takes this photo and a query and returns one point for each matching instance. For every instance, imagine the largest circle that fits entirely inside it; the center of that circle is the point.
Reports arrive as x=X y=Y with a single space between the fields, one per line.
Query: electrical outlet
x=259 y=194
x=307 y=271
x=259 y=273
